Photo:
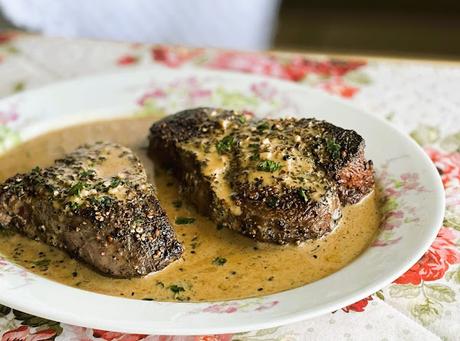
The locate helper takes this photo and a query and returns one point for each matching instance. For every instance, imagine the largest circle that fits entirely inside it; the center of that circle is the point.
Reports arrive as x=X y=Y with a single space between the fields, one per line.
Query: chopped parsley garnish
x=268 y=166
x=263 y=126
x=76 y=189
x=255 y=149
x=302 y=194
x=87 y=174
x=177 y=203
x=176 y=288
x=184 y=220
x=72 y=205
x=242 y=119
x=42 y=264
x=115 y=182
x=254 y=157
x=106 y=201
x=36 y=169
x=272 y=201
x=226 y=144
x=333 y=148
x=219 y=261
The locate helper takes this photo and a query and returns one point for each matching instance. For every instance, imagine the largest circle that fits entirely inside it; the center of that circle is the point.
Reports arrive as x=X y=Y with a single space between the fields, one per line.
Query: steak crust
x=97 y=205
x=275 y=180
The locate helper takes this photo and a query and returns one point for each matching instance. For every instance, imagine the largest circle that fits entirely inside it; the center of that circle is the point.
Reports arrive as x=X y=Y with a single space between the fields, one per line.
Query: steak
x=97 y=205
x=274 y=180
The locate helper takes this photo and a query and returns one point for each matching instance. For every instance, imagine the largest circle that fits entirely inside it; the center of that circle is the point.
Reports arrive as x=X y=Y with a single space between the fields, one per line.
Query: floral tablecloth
x=423 y=99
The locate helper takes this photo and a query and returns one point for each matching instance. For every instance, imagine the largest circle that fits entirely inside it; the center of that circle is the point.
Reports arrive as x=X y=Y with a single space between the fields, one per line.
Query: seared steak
x=97 y=205
x=275 y=180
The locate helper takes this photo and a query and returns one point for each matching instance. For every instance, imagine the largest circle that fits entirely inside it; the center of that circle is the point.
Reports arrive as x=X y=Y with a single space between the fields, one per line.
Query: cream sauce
x=217 y=264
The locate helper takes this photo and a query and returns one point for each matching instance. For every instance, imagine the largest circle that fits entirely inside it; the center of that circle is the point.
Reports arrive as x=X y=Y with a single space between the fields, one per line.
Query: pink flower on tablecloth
x=337 y=86
x=114 y=336
x=8 y=116
x=448 y=165
x=127 y=60
x=436 y=261
x=359 y=306
x=221 y=337
x=173 y=56
x=24 y=333
x=298 y=67
x=248 y=62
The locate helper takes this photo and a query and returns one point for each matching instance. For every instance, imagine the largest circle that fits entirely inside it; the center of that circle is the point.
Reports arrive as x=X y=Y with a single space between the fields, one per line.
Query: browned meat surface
x=275 y=180
x=97 y=205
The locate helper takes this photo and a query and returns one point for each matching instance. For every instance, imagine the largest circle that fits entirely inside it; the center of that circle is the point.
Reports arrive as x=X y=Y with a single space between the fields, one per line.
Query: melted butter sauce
x=217 y=264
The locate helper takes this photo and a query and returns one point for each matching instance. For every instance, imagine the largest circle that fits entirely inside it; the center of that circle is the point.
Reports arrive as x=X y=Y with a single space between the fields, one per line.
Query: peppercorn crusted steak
x=97 y=205
x=275 y=180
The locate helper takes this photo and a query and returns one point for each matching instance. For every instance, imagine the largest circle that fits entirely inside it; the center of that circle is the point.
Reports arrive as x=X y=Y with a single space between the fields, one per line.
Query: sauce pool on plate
x=217 y=264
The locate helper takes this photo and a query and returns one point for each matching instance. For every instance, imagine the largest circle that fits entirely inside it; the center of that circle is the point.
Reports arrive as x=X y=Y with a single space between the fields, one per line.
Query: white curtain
x=244 y=24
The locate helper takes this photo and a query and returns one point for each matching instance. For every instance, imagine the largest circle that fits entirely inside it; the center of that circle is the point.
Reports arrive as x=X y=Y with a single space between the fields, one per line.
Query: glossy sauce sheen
x=217 y=264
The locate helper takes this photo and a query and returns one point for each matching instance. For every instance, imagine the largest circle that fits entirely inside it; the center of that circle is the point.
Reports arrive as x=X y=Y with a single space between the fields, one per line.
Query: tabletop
x=421 y=98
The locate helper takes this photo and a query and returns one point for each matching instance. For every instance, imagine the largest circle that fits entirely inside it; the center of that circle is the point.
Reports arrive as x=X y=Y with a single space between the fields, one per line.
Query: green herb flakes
x=219 y=261
x=115 y=182
x=333 y=148
x=302 y=194
x=226 y=144
x=263 y=126
x=184 y=220
x=87 y=174
x=272 y=201
x=268 y=166
x=76 y=189
x=176 y=289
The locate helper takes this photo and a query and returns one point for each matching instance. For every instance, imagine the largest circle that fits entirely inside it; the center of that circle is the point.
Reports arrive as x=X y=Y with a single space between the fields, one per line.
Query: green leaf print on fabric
x=451 y=143
x=8 y=138
x=358 y=77
x=407 y=291
x=439 y=292
x=34 y=321
x=4 y=310
x=452 y=219
x=425 y=135
x=453 y=276
x=426 y=313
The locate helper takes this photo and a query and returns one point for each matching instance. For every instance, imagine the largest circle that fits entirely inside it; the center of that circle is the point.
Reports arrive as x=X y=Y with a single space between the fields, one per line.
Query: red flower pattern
x=127 y=60
x=249 y=63
x=6 y=37
x=336 y=86
x=114 y=336
x=448 y=165
x=358 y=306
x=436 y=261
x=173 y=57
x=24 y=333
x=330 y=72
